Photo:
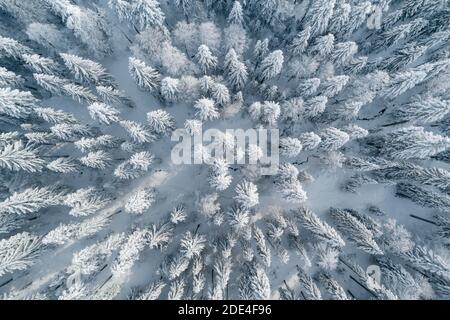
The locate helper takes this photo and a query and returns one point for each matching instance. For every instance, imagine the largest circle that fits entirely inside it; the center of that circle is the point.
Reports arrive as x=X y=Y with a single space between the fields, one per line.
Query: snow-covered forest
x=93 y=207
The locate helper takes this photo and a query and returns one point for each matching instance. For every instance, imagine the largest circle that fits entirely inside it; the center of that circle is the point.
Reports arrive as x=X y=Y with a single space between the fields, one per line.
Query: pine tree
x=87 y=25
x=139 y=201
x=16 y=157
x=315 y=106
x=51 y=83
x=267 y=112
x=340 y=17
x=159 y=237
x=86 y=201
x=247 y=194
x=137 y=131
x=355 y=132
x=103 y=113
x=333 y=288
x=287 y=183
x=413 y=143
x=176 y=290
x=206 y=109
x=319 y=228
x=323 y=46
x=271 y=65
x=136 y=166
x=355 y=231
x=259 y=283
x=153 y=291
x=62 y=165
x=422 y=109
x=236 y=15
x=292 y=191
x=89 y=260
x=261 y=50
x=160 y=121
x=343 y=52
x=178 y=214
x=174 y=266
x=18 y=252
x=334 y=85
x=429 y=262
x=308 y=87
x=68 y=131
x=333 y=139
x=85 y=70
x=60 y=86
x=220 y=94
x=309 y=289
x=122 y=9
x=423 y=197
x=402 y=81
x=399 y=280
x=65 y=233
x=11 y=48
x=238 y=218
x=376 y=289
x=235 y=70
x=358 y=16
x=220 y=178
x=187 y=6
x=205 y=59
x=88 y=144
x=9 y=78
x=318 y=16
x=39 y=64
x=170 y=89
x=113 y=96
x=146 y=13
x=145 y=76
x=15 y=103
x=301 y=41
x=327 y=256
x=292 y=109
x=290 y=147
x=51 y=115
x=262 y=247
x=433 y=176
x=404 y=56
x=97 y=160
x=130 y=252
x=30 y=200
x=193 y=126
x=192 y=245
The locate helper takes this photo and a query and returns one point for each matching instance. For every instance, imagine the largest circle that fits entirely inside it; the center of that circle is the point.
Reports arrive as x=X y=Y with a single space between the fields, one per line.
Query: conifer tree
x=236 y=15
x=85 y=70
x=206 y=109
x=271 y=65
x=205 y=59
x=18 y=252
x=301 y=41
x=160 y=121
x=413 y=143
x=355 y=231
x=145 y=76
x=16 y=157
x=15 y=103
x=318 y=16
x=103 y=113
x=139 y=201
